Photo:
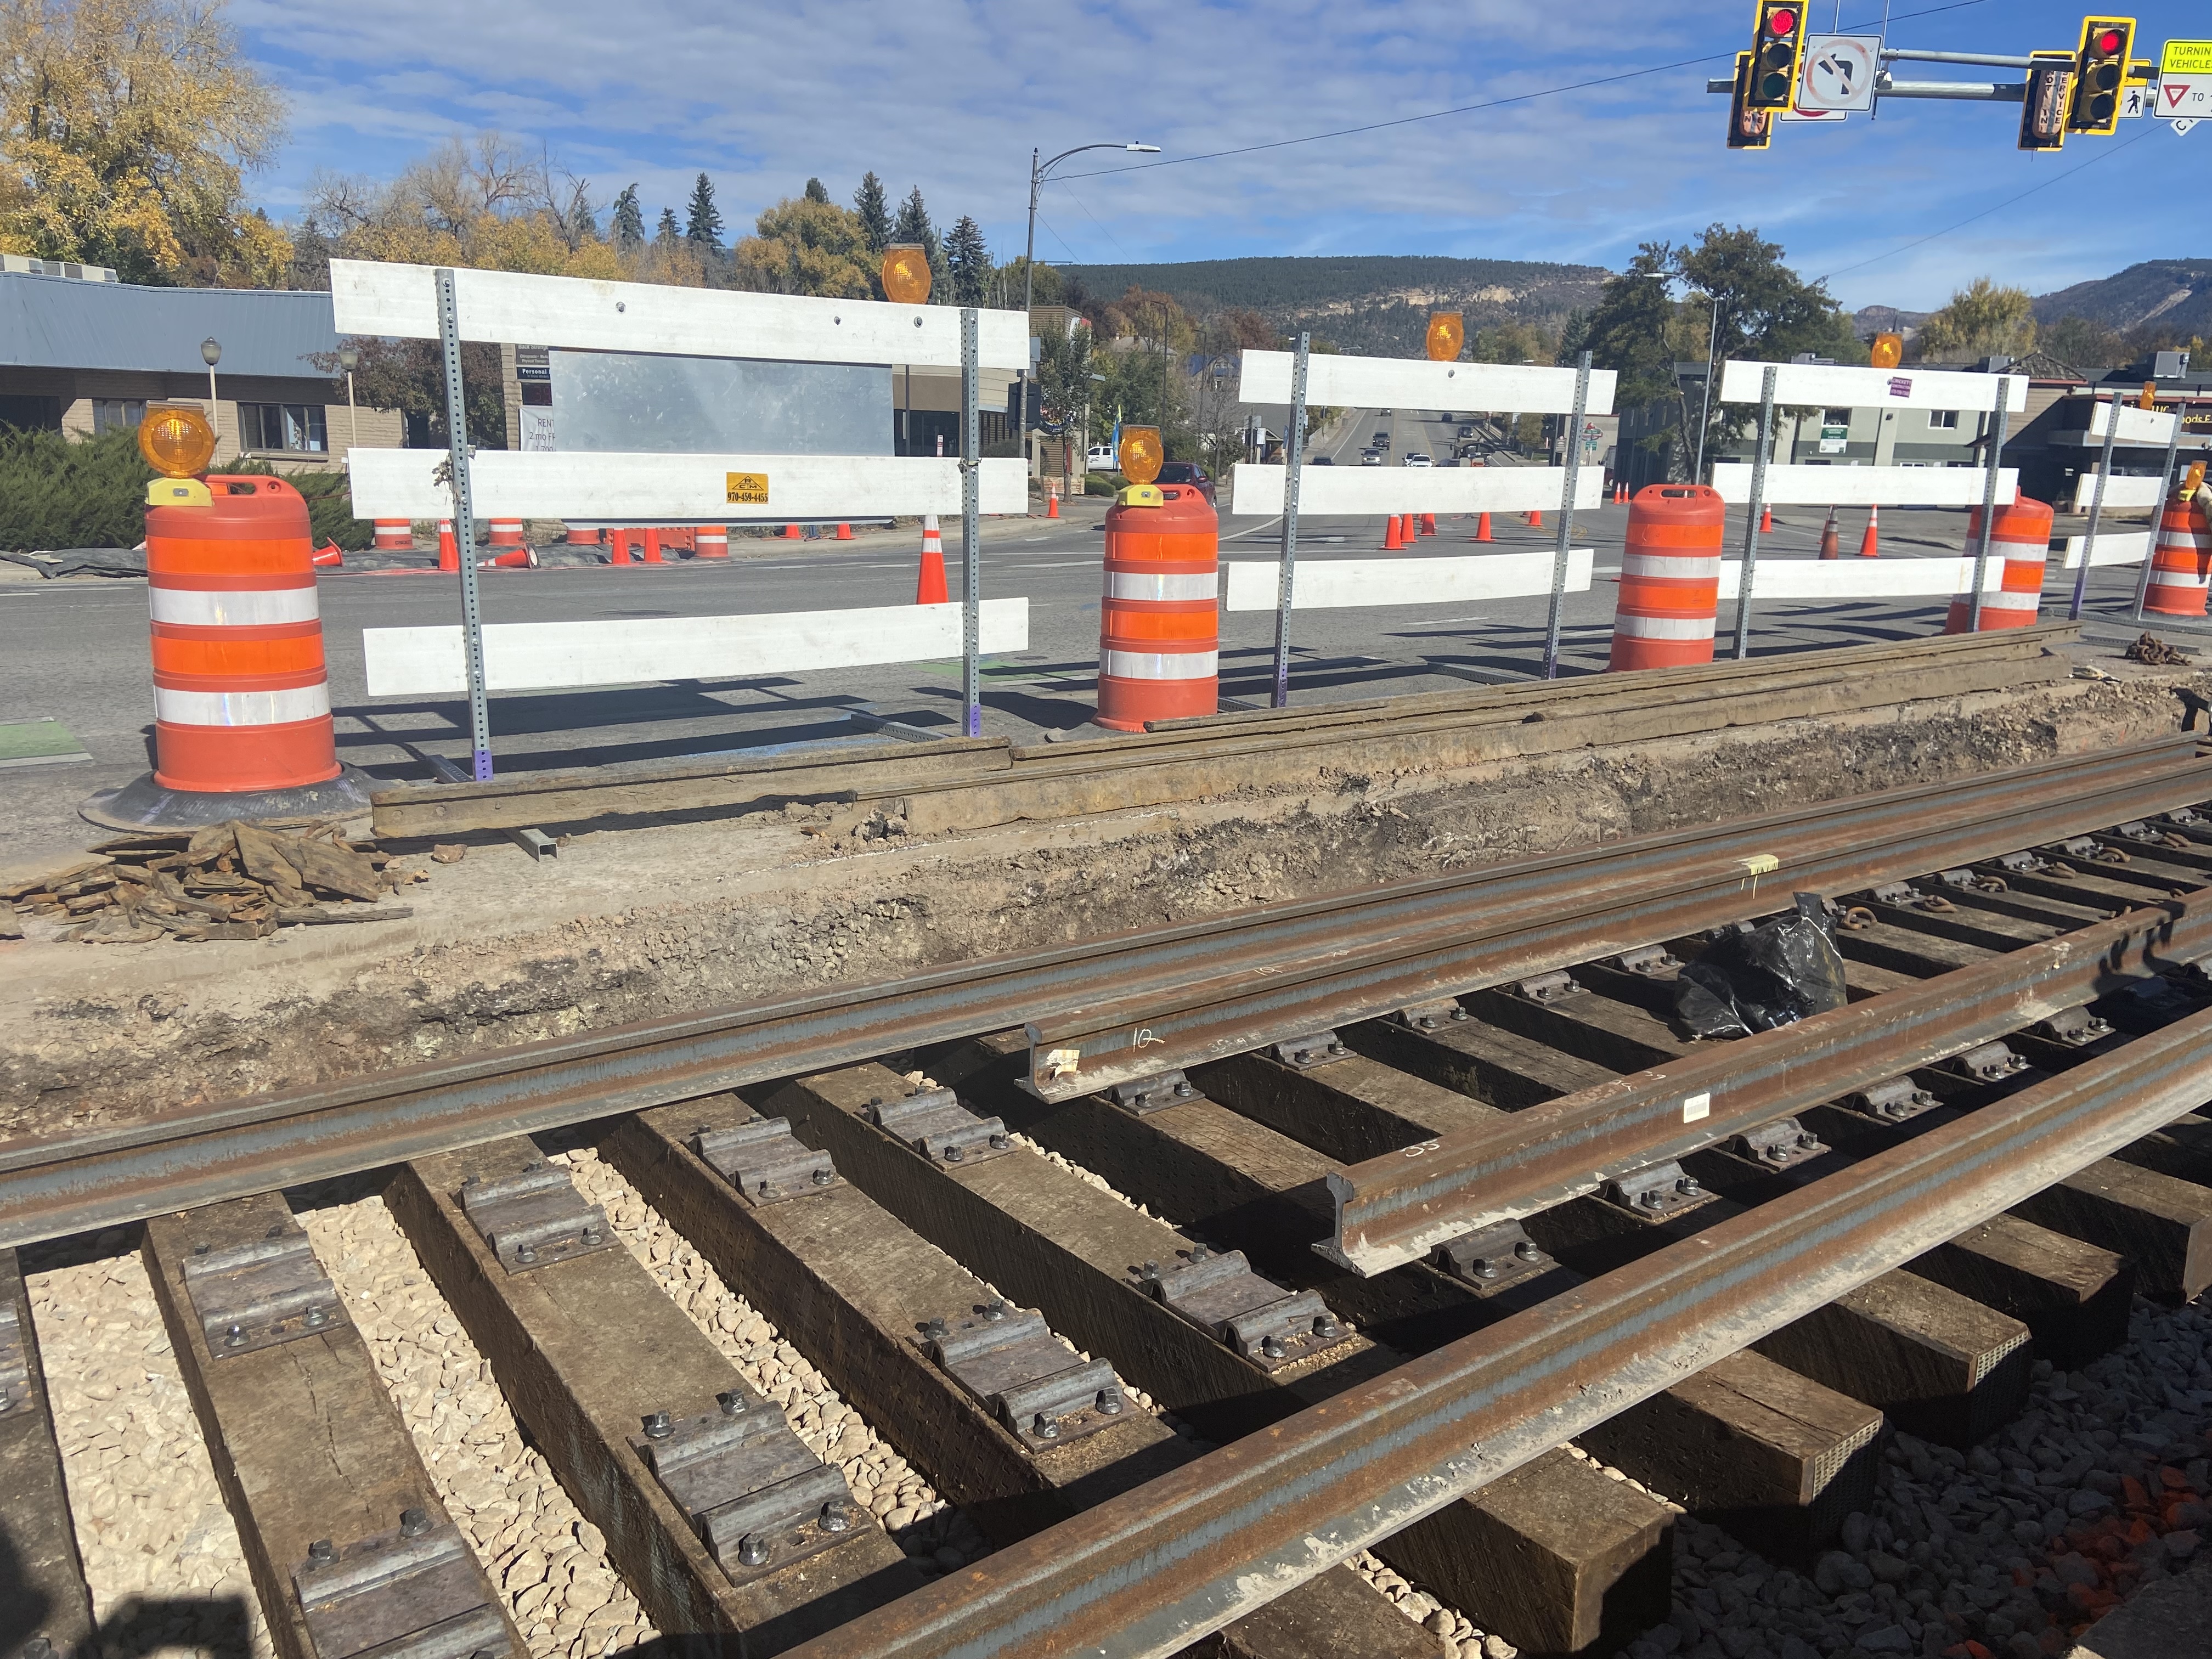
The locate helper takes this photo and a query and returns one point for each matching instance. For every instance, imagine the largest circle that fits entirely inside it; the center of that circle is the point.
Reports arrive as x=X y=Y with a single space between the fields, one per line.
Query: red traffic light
x=2109 y=41
x=1782 y=22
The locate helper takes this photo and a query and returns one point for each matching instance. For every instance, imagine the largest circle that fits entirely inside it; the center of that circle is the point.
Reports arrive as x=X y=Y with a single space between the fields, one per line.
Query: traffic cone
x=1051 y=501
x=930 y=590
x=1830 y=547
x=618 y=546
x=328 y=554
x=792 y=533
x=844 y=532
x=1391 y=540
x=1428 y=524
x=1765 y=520
x=511 y=558
x=652 y=547
x=1536 y=519
x=1482 y=528
x=449 y=557
x=1868 y=548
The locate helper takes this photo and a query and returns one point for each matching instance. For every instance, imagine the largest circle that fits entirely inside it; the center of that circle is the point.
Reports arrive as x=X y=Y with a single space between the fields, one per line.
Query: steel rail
x=1394 y=1209
x=1151 y=1571
x=1589 y=901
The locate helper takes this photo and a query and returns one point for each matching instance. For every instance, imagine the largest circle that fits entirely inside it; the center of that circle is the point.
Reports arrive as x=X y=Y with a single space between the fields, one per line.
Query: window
x=30 y=413
x=297 y=427
x=1836 y=417
x=1942 y=420
x=109 y=413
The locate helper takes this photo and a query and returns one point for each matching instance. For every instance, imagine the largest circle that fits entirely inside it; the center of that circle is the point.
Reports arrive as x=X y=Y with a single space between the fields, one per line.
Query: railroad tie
x=45 y=1594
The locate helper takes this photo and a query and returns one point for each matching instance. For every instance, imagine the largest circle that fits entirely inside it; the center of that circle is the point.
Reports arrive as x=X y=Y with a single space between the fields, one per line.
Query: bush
x=1100 y=484
x=59 y=491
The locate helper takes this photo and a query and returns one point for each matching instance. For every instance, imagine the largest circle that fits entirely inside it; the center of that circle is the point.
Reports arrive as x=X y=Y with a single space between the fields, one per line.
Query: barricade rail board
x=1742 y=1344
x=967 y=783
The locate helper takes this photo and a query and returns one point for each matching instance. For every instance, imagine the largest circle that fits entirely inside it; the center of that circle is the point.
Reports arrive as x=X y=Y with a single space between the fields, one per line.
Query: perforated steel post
x=2165 y=491
x=1294 y=451
x=464 y=525
x=2097 y=509
x=1566 y=519
x=1750 y=513
x=971 y=529
x=2000 y=418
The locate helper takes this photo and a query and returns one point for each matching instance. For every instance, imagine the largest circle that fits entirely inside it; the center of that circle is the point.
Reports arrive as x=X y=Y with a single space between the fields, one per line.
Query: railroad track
x=1443 y=1188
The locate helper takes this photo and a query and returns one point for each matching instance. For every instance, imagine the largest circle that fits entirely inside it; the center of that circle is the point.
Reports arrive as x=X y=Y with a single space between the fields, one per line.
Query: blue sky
x=951 y=96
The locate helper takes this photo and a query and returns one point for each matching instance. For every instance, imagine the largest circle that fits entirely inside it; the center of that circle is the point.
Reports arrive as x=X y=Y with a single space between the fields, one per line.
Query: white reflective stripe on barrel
x=197 y=608
x=1663 y=627
x=1686 y=568
x=302 y=702
x=2178 y=578
x=1998 y=598
x=1159 y=665
x=1133 y=585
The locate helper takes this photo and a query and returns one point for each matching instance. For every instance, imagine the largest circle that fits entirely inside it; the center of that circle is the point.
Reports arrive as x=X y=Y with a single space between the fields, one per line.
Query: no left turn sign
x=1839 y=72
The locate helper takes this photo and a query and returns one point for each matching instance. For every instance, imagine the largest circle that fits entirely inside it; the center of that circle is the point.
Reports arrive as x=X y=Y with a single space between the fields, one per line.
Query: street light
x=1037 y=174
x=349 y=360
x=211 y=354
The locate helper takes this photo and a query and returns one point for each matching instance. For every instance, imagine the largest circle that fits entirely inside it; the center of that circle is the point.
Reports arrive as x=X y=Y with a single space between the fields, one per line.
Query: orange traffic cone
x=1868 y=543
x=930 y=589
x=844 y=532
x=791 y=532
x=511 y=558
x=1051 y=501
x=1536 y=519
x=1482 y=528
x=449 y=557
x=1765 y=520
x=652 y=547
x=1391 y=540
x=618 y=546
x=1830 y=547
x=1428 y=524
x=328 y=554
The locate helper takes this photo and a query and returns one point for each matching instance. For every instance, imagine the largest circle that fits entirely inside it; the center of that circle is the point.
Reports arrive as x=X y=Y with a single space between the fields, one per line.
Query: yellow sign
x=2186 y=57
x=176 y=439
x=748 y=489
x=1141 y=453
x=1447 y=334
x=1887 y=350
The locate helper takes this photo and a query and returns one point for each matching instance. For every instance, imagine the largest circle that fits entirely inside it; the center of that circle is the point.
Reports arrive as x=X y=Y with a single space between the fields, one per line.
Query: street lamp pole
x=1037 y=172
x=211 y=354
x=1705 y=415
x=349 y=360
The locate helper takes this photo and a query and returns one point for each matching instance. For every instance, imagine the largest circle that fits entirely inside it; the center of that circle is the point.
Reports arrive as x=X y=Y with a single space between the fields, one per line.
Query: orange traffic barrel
x=711 y=541
x=1159 y=622
x=241 y=702
x=579 y=537
x=1670 y=577
x=2023 y=541
x=395 y=534
x=2181 y=562
x=506 y=533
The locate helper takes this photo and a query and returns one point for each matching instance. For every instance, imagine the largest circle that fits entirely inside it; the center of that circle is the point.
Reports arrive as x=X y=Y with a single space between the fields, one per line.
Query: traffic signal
x=1775 y=50
x=2100 y=67
x=2042 y=112
x=1748 y=128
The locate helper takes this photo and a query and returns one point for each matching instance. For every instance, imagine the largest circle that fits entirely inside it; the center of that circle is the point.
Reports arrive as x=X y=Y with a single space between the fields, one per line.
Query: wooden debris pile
x=229 y=881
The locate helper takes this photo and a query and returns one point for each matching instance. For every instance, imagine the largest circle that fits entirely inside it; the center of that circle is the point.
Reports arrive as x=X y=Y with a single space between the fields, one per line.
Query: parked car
x=1101 y=458
x=1417 y=459
x=1188 y=475
x=1370 y=457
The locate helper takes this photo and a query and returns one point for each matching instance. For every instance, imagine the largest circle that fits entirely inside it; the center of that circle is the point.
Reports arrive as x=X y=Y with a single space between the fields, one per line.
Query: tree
x=801 y=246
x=410 y=376
x=817 y=192
x=667 y=232
x=970 y=261
x=1982 y=320
x=126 y=128
x=875 y=213
x=2089 y=349
x=628 y=220
x=1065 y=388
x=702 y=225
x=913 y=225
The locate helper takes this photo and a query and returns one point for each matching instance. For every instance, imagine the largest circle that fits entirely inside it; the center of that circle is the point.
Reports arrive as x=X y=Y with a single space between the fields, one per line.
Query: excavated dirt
x=635 y=924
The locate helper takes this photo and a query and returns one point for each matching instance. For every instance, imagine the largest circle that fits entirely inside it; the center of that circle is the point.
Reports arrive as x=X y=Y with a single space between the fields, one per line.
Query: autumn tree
x=127 y=129
x=801 y=246
x=1982 y=320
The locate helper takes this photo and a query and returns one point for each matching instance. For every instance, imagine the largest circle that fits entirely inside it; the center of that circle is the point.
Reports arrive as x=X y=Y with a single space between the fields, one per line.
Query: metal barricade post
x=1566 y=518
x=1751 y=513
x=1294 y=448
x=464 y=525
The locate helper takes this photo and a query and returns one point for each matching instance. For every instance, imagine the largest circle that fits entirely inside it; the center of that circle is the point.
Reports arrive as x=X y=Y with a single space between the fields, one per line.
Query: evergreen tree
x=628 y=220
x=875 y=213
x=702 y=228
x=816 y=190
x=667 y=232
x=969 y=262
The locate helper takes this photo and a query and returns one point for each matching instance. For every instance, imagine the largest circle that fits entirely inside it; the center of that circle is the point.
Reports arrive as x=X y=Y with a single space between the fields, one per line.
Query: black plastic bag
x=1778 y=973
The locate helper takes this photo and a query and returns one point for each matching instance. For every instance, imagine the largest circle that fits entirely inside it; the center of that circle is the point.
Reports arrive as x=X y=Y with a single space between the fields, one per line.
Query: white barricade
x=1858 y=579
x=1831 y=385
x=653 y=488
x=2121 y=547
x=1341 y=584
x=2137 y=425
x=1798 y=485
x=1414 y=382
x=1364 y=491
x=565 y=655
x=2122 y=494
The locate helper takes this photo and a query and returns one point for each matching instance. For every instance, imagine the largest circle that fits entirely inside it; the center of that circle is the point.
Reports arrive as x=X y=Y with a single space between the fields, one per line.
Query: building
x=82 y=353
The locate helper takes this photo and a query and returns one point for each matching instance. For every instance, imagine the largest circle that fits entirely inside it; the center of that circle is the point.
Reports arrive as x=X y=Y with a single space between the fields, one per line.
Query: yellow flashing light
x=176 y=440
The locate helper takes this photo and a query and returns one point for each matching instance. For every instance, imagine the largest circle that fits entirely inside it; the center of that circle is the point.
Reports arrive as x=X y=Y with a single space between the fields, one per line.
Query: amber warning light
x=177 y=442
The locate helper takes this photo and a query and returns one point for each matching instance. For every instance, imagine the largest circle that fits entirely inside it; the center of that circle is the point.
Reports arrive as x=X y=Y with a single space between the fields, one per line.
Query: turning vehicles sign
x=2185 y=81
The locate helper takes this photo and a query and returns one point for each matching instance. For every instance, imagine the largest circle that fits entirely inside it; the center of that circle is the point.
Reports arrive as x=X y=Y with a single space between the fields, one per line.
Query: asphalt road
x=76 y=649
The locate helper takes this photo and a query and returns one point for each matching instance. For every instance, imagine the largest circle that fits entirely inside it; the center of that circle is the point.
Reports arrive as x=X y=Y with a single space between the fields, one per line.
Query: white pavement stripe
x=190 y=608
x=303 y=703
